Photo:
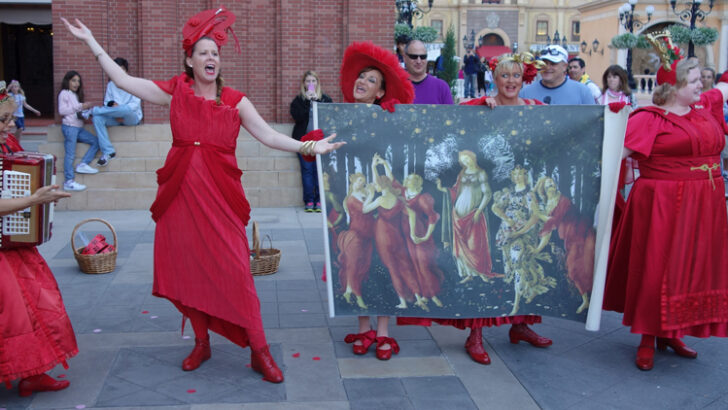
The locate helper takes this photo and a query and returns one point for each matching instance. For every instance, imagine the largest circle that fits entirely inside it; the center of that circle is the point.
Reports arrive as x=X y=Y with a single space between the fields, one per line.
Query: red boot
x=474 y=347
x=40 y=382
x=262 y=362
x=523 y=332
x=646 y=353
x=199 y=354
x=678 y=346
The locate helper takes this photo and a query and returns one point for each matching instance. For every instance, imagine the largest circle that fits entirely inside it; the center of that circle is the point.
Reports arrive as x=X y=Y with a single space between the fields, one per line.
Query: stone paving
x=131 y=346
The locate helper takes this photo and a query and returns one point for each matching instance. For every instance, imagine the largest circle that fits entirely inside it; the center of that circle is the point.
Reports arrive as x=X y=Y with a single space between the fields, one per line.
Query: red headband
x=209 y=23
x=665 y=76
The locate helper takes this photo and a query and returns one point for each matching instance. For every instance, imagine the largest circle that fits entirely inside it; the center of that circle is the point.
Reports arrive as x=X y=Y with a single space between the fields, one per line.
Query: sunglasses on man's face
x=552 y=51
x=416 y=56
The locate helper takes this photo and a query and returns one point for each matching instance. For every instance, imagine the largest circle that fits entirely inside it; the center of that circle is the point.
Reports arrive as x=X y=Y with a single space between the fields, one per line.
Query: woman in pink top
x=70 y=106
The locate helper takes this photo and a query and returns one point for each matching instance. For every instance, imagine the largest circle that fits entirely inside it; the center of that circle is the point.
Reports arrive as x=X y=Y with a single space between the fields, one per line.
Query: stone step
x=108 y=199
x=270 y=177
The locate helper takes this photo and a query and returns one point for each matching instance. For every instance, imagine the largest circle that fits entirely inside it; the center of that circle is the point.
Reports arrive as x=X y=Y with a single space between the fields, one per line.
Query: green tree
x=449 y=73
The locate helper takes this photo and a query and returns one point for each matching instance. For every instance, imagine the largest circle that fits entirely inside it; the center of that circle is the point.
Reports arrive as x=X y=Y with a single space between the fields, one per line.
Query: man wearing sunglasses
x=428 y=89
x=556 y=87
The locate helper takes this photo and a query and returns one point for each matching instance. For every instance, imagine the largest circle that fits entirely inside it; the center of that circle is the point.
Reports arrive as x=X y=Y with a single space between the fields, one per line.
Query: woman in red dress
x=35 y=333
x=372 y=75
x=201 y=255
x=668 y=264
x=418 y=224
x=509 y=74
x=355 y=243
x=579 y=237
x=389 y=236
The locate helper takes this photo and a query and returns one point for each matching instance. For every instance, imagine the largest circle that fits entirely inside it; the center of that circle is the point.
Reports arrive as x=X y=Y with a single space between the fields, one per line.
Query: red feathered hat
x=209 y=23
x=360 y=55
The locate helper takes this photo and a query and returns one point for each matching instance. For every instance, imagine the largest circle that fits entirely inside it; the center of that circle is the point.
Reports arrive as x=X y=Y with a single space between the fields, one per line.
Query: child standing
x=71 y=106
x=16 y=92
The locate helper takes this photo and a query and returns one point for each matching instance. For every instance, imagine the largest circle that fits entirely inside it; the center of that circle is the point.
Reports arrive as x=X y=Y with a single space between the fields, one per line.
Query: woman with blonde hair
x=310 y=91
x=668 y=262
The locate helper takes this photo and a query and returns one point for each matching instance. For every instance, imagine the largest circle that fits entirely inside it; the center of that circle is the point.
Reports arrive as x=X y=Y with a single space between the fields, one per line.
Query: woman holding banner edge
x=668 y=262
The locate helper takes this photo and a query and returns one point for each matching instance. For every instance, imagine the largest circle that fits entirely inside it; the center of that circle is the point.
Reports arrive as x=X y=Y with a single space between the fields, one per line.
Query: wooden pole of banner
x=615 y=126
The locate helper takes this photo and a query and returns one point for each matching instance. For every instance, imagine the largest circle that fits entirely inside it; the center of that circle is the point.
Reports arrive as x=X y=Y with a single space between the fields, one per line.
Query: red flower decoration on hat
x=219 y=36
x=211 y=23
x=493 y=63
x=360 y=55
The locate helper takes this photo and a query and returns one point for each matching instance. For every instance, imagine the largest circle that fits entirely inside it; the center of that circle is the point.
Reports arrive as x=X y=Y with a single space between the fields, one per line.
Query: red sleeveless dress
x=201 y=255
x=35 y=332
x=668 y=262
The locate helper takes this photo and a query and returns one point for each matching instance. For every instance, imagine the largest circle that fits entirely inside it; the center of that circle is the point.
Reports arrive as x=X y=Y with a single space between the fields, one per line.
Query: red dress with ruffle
x=424 y=254
x=579 y=241
x=355 y=245
x=668 y=264
x=35 y=332
x=201 y=254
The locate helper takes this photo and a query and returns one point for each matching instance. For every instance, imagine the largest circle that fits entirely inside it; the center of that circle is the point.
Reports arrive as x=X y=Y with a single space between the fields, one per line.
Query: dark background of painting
x=546 y=140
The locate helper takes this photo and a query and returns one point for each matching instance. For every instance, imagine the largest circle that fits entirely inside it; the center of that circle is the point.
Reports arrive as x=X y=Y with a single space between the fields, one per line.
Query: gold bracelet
x=307 y=148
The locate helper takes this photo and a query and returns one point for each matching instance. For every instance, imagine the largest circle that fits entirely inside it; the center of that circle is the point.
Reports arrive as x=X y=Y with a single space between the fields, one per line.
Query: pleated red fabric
x=668 y=264
x=201 y=255
x=35 y=332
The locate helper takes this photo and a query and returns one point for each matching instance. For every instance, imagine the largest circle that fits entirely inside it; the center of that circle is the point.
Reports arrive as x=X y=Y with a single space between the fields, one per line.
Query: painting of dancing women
x=461 y=212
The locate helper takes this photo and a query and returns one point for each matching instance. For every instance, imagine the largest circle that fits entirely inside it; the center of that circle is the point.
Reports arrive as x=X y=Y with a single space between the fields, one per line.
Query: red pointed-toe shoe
x=367 y=338
x=678 y=346
x=199 y=354
x=523 y=332
x=262 y=362
x=386 y=354
x=474 y=347
x=40 y=382
x=645 y=357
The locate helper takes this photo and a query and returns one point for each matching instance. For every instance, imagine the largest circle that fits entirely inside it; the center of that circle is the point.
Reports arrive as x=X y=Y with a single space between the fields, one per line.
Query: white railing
x=645 y=83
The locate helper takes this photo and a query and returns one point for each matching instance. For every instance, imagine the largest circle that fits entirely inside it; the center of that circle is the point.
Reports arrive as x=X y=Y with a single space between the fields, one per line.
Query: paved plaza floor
x=131 y=347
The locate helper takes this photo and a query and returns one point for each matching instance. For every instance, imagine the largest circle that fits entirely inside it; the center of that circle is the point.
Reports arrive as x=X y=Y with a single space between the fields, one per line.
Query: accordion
x=21 y=174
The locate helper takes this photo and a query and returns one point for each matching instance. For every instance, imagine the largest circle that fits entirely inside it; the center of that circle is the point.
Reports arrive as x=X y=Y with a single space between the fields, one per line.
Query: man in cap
x=555 y=86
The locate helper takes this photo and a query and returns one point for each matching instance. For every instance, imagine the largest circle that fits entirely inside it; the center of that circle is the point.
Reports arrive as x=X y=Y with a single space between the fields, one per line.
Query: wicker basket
x=98 y=263
x=263 y=261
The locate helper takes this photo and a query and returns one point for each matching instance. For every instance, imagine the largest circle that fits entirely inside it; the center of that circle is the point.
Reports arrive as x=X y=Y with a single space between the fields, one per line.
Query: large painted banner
x=460 y=212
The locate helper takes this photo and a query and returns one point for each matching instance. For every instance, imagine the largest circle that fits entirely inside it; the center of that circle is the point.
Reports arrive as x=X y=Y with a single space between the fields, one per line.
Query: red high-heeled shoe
x=523 y=332
x=262 y=362
x=200 y=353
x=40 y=382
x=386 y=354
x=367 y=338
x=645 y=357
x=677 y=345
x=474 y=347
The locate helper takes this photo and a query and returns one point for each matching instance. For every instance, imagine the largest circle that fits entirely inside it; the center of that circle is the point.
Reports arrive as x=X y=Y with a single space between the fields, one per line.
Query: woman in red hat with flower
x=201 y=255
x=668 y=262
x=371 y=75
x=510 y=72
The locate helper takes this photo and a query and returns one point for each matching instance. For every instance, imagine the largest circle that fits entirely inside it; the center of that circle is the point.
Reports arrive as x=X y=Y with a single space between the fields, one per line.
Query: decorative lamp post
x=557 y=40
x=692 y=13
x=469 y=42
x=408 y=9
x=630 y=22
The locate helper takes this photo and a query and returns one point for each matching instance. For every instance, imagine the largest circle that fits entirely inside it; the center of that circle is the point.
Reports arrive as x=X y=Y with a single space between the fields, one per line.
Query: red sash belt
x=679 y=168
x=224 y=175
